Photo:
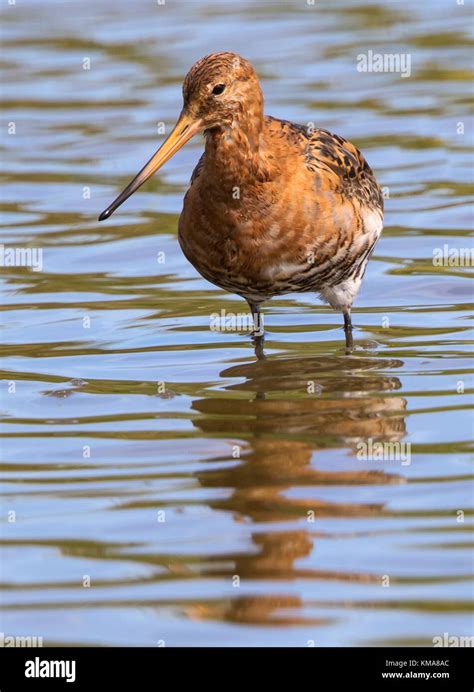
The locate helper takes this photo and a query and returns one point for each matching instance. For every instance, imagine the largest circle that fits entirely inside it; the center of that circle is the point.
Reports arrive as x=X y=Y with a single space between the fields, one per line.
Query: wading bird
x=272 y=207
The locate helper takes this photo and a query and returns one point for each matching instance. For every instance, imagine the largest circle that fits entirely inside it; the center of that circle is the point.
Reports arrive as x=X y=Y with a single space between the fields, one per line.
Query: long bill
x=184 y=129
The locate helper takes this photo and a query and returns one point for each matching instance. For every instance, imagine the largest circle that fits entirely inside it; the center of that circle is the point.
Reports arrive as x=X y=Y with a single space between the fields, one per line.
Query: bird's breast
x=282 y=241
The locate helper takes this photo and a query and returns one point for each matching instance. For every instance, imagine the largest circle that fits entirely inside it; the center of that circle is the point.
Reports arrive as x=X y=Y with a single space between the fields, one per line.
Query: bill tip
x=105 y=215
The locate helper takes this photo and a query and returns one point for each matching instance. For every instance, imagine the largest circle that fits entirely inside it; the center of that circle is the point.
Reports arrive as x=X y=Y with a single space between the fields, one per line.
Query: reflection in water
x=286 y=438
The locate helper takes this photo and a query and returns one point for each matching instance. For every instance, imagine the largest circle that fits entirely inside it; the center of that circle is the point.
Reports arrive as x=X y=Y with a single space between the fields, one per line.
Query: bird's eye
x=218 y=89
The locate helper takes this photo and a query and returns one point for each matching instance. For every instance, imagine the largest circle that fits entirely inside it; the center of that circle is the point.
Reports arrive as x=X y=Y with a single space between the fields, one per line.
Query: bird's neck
x=237 y=154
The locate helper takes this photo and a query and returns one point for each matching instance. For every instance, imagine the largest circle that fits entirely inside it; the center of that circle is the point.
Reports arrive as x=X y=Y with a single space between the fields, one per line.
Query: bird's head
x=219 y=92
x=220 y=89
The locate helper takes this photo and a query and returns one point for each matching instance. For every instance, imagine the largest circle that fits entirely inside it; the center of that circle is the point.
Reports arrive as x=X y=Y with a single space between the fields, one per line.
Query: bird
x=273 y=207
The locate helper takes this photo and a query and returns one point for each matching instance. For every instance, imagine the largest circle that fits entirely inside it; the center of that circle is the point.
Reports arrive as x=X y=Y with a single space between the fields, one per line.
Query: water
x=156 y=459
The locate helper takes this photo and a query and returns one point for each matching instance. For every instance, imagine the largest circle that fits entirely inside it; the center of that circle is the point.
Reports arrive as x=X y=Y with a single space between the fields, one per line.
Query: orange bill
x=184 y=129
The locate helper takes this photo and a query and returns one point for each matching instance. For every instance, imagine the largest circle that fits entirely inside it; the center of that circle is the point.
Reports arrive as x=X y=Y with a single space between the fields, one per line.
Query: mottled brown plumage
x=273 y=207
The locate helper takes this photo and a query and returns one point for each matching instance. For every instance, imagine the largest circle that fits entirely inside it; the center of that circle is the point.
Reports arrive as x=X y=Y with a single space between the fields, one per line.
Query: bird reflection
x=291 y=413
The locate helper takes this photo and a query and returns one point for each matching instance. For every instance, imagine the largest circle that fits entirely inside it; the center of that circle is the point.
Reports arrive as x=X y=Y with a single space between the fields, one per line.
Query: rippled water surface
x=211 y=498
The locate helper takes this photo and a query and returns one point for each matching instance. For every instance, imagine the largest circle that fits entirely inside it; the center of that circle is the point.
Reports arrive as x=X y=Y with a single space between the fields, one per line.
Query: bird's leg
x=258 y=334
x=258 y=342
x=348 y=329
x=257 y=320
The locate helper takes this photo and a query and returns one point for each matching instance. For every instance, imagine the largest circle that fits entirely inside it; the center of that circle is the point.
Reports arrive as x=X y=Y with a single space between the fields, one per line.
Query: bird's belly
x=263 y=280
x=237 y=276
x=259 y=267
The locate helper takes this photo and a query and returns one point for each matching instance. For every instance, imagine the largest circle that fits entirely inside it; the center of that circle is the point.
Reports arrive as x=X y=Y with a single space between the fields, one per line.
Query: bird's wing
x=343 y=166
x=338 y=164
